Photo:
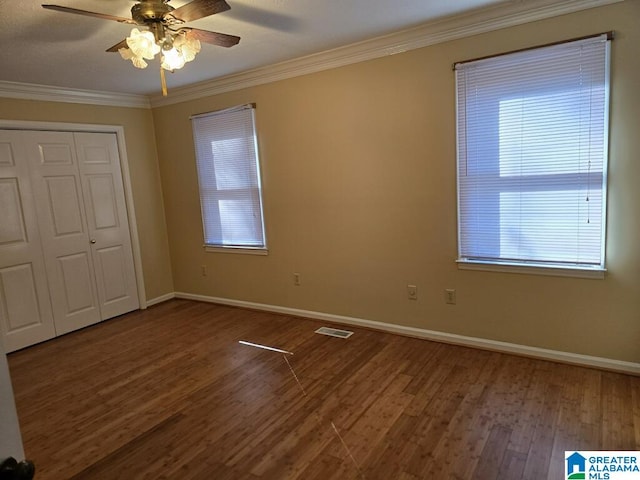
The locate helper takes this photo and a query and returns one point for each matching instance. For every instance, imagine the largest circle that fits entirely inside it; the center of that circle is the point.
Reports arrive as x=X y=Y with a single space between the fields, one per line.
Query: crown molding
x=479 y=21
x=31 y=91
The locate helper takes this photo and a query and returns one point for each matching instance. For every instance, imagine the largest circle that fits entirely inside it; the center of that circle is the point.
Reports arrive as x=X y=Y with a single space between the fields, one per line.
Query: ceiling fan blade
x=199 y=9
x=104 y=16
x=215 y=38
x=118 y=46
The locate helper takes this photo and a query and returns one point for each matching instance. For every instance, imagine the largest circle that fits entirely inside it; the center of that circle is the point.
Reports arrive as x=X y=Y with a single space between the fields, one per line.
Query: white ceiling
x=63 y=50
x=65 y=53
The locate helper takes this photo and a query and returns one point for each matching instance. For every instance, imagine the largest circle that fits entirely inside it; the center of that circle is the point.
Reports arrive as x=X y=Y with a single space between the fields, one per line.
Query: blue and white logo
x=576 y=466
x=602 y=465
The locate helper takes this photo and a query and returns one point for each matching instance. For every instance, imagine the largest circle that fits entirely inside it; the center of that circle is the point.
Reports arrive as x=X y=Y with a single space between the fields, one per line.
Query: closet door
x=107 y=222
x=25 y=311
x=66 y=244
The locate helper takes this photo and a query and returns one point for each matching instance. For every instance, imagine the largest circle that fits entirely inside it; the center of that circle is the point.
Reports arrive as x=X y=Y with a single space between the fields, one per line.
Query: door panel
x=65 y=240
x=102 y=199
x=12 y=227
x=54 y=152
x=107 y=222
x=25 y=311
x=64 y=202
x=19 y=297
x=112 y=263
x=76 y=271
x=6 y=152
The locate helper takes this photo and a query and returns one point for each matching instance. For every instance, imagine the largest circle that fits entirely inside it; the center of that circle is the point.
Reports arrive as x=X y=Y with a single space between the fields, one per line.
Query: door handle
x=93 y=240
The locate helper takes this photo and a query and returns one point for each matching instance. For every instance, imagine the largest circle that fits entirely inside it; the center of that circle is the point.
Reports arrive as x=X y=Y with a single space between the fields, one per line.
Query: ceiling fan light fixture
x=127 y=54
x=189 y=47
x=184 y=49
x=172 y=59
x=143 y=44
x=176 y=48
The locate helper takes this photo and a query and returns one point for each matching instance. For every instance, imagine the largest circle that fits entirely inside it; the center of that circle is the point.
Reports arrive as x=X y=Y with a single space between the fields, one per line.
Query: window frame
x=253 y=191
x=538 y=267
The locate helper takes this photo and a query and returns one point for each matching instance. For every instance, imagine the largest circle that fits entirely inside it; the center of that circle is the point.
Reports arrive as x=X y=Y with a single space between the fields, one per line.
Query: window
x=229 y=179
x=532 y=157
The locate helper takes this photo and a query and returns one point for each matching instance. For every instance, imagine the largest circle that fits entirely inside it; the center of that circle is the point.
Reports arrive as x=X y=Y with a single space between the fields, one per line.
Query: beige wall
x=360 y=198
x=144 y=173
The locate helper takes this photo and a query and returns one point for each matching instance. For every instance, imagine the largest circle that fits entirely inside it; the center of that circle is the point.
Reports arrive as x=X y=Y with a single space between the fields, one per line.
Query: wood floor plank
x=169 y=393
x=493 y=454
x=617 y=414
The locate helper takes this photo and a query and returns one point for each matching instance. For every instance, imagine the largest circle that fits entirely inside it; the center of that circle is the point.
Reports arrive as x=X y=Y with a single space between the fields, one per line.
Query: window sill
x=523 y=268
x=237 y=250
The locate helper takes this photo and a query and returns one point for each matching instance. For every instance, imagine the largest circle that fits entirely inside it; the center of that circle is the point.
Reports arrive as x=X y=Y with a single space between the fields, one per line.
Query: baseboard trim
x=443 y=337
x=160 y=299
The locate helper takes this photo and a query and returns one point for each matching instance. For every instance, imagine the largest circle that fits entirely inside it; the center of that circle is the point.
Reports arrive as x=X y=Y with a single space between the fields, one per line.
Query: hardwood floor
x=169 y=393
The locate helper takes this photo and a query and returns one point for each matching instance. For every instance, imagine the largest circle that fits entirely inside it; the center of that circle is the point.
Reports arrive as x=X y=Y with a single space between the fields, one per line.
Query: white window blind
x=229 y=178
x=532 y=156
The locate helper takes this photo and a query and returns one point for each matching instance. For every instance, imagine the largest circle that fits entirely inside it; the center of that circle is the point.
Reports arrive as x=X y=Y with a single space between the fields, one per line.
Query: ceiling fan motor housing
x=148 y=11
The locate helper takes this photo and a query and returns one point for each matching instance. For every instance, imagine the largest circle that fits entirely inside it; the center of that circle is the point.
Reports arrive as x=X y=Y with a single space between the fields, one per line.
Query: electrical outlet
x=203 y=270
x=412 y=292
x=450 y=296
x=296 y=279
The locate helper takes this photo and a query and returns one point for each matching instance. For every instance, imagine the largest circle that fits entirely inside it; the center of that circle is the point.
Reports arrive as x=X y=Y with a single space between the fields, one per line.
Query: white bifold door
x=65 y=250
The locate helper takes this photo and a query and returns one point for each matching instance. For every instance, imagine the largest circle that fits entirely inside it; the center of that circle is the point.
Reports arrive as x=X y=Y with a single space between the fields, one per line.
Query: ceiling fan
x=165 y=32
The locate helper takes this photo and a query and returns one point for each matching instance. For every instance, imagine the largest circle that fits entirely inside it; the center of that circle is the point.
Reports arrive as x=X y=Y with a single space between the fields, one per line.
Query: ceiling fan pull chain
x=163 y=81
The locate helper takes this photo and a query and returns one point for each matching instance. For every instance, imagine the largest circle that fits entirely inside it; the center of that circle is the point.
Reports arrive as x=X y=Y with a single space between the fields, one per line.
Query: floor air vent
x=334 y=332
